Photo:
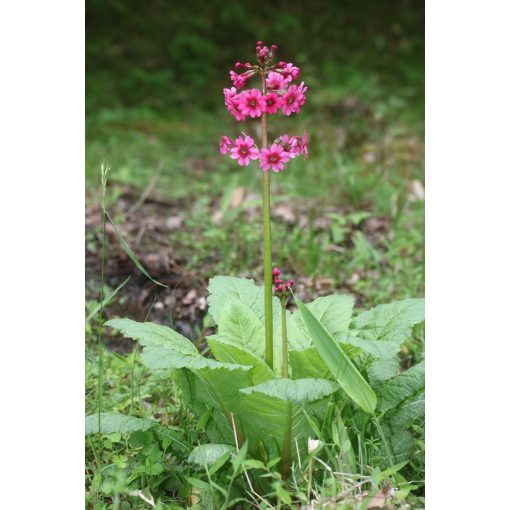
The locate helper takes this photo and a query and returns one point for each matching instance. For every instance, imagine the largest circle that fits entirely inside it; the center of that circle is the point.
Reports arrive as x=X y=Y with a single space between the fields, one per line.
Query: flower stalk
x=268 y=256
x=282 y=291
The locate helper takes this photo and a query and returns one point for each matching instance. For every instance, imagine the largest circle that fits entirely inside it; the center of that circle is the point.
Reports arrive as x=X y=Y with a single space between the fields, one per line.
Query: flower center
x=270 y=102
x=290 y=100
x=244 y=150
x=253 y=102
x=273 y=158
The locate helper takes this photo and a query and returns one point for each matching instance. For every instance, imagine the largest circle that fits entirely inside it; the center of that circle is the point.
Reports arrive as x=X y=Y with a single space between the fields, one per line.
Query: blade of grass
x=130 y=253
x=105 y=302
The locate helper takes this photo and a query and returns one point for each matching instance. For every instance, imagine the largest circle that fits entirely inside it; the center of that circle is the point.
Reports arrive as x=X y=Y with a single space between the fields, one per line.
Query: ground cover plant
x=281 y=408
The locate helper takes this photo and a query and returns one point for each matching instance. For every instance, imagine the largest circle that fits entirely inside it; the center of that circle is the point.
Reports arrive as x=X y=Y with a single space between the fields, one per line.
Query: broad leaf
x=228 y=352
x=393 y=321
x=402 y=387
x=227 y=289
x=403 y=398
x=150 y=334
x=116 y=422
x=264 y=423
x=381 y=370
x=208 y=454
x=333 y=312
x=296 y=391
x=239 y=324
x=341 y=367
x=165 y=348
x=379 y=349
x=308 y=363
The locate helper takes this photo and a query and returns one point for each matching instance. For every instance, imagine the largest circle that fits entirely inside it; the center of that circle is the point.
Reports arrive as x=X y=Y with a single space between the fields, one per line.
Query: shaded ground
x=151 y=229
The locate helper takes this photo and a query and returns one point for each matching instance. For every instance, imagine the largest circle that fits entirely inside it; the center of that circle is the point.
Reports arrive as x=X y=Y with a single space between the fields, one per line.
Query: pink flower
x=294 y=99
x=225 y=144
x=244 y=150
x=290 y=70
x=251 y=103
x=273 y=158
x=238 y=80
x=276 y=81
x=290 y=144
x=232 y=103
x=272 y=102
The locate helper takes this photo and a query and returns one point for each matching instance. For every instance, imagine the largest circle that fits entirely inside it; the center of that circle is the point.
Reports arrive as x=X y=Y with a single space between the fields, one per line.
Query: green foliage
x=208 y=454
x=237 y=394
x=116 y=422
x=299 y=391
x=342 y=368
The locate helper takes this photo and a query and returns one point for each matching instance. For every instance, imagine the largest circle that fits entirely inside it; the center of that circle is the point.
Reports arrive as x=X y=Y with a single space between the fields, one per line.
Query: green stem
x=104 y=178
x=285 y=351
x=286 y=457
x=268 y=258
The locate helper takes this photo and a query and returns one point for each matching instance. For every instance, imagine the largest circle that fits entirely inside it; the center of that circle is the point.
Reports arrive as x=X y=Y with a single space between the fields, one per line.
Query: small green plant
x=279 y=381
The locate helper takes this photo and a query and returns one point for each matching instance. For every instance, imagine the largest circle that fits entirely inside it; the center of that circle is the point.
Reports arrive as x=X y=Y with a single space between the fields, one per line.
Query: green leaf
x=381 y=370
x=393 y=321
x=240 y=457
x=342 y=368
x=239 y=324
x=150 y=334
x=116 y=422
x=297 y=391
x=130 y=253
x=401 y=387
x=165 y=348
x=227 y=289
x=333 y=312
x=403 y=399
x=379 y=349
x=225 y=351
x=308 y=363
x=208 y=454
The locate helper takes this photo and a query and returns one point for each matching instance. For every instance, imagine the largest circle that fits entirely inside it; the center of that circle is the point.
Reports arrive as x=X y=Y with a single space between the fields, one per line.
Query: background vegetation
x=349 y=219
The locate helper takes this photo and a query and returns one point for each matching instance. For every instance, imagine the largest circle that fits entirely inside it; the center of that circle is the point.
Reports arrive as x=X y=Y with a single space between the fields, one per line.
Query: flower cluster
x=253 y=103
x=281 y=287
x=244 y=149
x=278 y=94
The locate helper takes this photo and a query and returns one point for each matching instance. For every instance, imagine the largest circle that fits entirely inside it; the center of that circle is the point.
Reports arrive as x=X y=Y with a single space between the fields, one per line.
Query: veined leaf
x=150 y=334
x=242 y=326
x=341 y=367
x=297 y=391
x=165 y=348
x=381 y=370
x=116 y=422
x=407 y=384
x=226 y=289
x=208 y=454
x=333 y=312
x=130 y=253
x=377 y=348
x=264 y=421
x=307 y=363
x=393 y=321
x=228 y=352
